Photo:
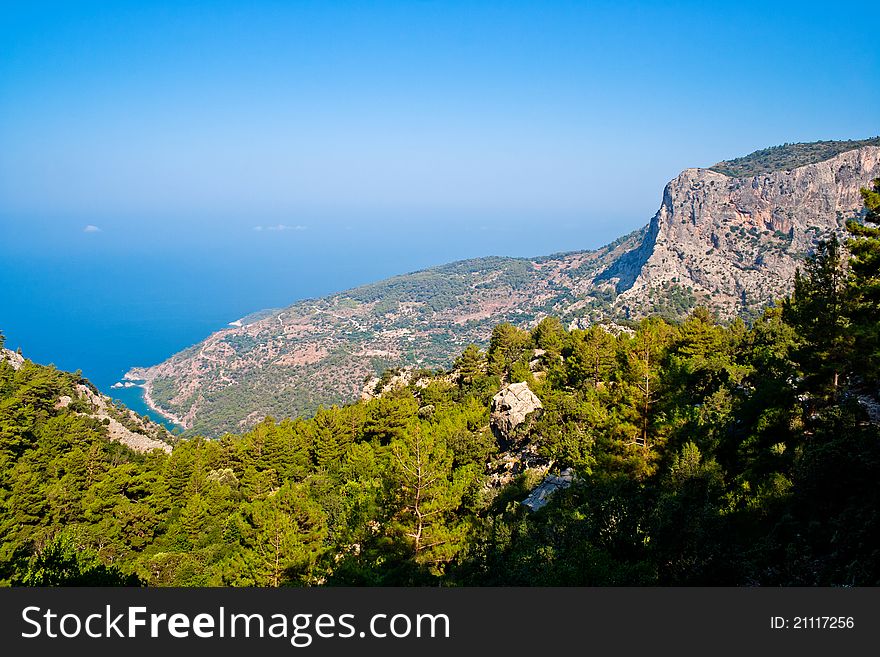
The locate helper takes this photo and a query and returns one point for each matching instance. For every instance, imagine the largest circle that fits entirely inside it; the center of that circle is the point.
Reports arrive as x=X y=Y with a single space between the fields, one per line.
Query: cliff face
x=737 y=241
x=732 y=244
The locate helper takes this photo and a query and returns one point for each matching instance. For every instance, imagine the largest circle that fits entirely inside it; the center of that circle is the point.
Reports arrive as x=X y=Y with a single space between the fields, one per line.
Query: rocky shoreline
x=147 y=387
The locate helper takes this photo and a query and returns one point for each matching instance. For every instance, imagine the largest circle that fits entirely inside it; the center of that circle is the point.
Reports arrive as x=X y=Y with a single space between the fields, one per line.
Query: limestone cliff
x=736 y=242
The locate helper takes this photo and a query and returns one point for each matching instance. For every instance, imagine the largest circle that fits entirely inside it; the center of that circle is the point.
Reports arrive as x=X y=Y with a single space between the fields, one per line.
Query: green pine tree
x=818 y=311
x=428 y=494
x=864 y=285
x=288 y=536
x=470 y=365
x=592 y=357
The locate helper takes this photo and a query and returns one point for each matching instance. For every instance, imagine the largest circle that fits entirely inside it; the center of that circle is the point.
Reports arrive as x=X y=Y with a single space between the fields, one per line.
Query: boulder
x=510 y=407
x=540 y=495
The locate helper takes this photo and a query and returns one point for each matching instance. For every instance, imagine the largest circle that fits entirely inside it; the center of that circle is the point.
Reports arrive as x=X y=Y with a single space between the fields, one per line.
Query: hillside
x=321 y=351
x=69 y=395
x=729 y=243
x=788 y=156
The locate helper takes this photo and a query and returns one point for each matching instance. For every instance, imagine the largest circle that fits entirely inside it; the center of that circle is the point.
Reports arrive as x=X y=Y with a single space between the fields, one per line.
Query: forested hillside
x=701 y=454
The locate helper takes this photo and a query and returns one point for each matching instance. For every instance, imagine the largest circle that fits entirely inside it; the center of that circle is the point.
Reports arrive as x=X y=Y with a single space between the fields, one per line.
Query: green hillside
x=788 y=156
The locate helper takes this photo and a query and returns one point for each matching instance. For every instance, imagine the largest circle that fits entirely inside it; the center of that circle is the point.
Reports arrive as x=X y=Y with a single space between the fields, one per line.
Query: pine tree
x=288 y=535
x=592 y=357
x=286 y=449
x=817 y=309
x=549 y=335
x=332 y=437
x=864 y=285
x=428 y=495
x=470 y=365
x=389 y=415
x=65 y=561
x=192 y=518
x=644 y=357
x=506 y=346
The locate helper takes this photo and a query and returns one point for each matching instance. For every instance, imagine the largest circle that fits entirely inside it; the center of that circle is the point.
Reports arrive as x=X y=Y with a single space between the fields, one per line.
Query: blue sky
x=191 y=117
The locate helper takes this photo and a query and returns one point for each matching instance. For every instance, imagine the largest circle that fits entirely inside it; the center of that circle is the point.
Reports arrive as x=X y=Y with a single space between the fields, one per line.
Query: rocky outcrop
x=145 y=438
x=376 y=386
x=540 y=494
x=137 y=441
x=510 y=408
x=520 y=460
x=15 y=359
x=396 y=378
x=123 y=425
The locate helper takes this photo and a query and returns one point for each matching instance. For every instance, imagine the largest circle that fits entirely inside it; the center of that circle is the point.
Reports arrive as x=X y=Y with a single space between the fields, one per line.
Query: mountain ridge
x=730 y=243
x=788 y=156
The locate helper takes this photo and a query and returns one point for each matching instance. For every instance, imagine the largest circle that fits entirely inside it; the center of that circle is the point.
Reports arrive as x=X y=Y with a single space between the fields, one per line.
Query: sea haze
x=133 y=291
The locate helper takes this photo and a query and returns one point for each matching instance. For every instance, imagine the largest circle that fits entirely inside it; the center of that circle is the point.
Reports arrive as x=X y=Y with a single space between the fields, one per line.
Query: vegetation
x=441 y=288
x=291 y=361
x=788 y=156
x=704 y=454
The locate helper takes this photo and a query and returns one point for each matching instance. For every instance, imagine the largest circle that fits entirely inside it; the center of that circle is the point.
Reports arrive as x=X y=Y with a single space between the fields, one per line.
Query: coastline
x=147 y=394
x=147 y=387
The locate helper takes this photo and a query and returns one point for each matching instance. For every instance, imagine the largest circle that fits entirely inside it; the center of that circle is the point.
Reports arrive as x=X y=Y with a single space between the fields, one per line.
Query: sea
x=104 y=295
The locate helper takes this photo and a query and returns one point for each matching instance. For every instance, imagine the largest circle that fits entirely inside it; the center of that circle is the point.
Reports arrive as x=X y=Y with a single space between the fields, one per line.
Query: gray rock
x=540 y=495
x=510 y=408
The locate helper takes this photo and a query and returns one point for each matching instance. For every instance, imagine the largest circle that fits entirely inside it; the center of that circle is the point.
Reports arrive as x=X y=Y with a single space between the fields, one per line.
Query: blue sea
x=133 y=291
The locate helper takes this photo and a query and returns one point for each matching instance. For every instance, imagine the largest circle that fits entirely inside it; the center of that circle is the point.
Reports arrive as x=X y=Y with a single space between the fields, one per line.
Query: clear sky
x=299 y=113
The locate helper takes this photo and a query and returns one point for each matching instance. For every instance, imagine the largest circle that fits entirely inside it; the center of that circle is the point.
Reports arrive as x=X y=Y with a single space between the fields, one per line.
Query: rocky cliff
x=731 y=243
x=736 y=242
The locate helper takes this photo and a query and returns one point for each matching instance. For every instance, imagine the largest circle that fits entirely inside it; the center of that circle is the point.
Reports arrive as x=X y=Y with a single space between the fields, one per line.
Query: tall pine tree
x=817 y=309
x=864 y=289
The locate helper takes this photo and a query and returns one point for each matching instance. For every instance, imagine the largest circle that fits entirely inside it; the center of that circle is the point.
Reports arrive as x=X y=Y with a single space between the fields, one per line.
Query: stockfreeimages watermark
x=301 y=629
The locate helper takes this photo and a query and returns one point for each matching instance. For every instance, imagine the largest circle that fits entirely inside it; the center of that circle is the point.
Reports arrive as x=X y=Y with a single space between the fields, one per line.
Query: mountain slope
x=732 y=244
x=319 y=351
x=65 y=393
